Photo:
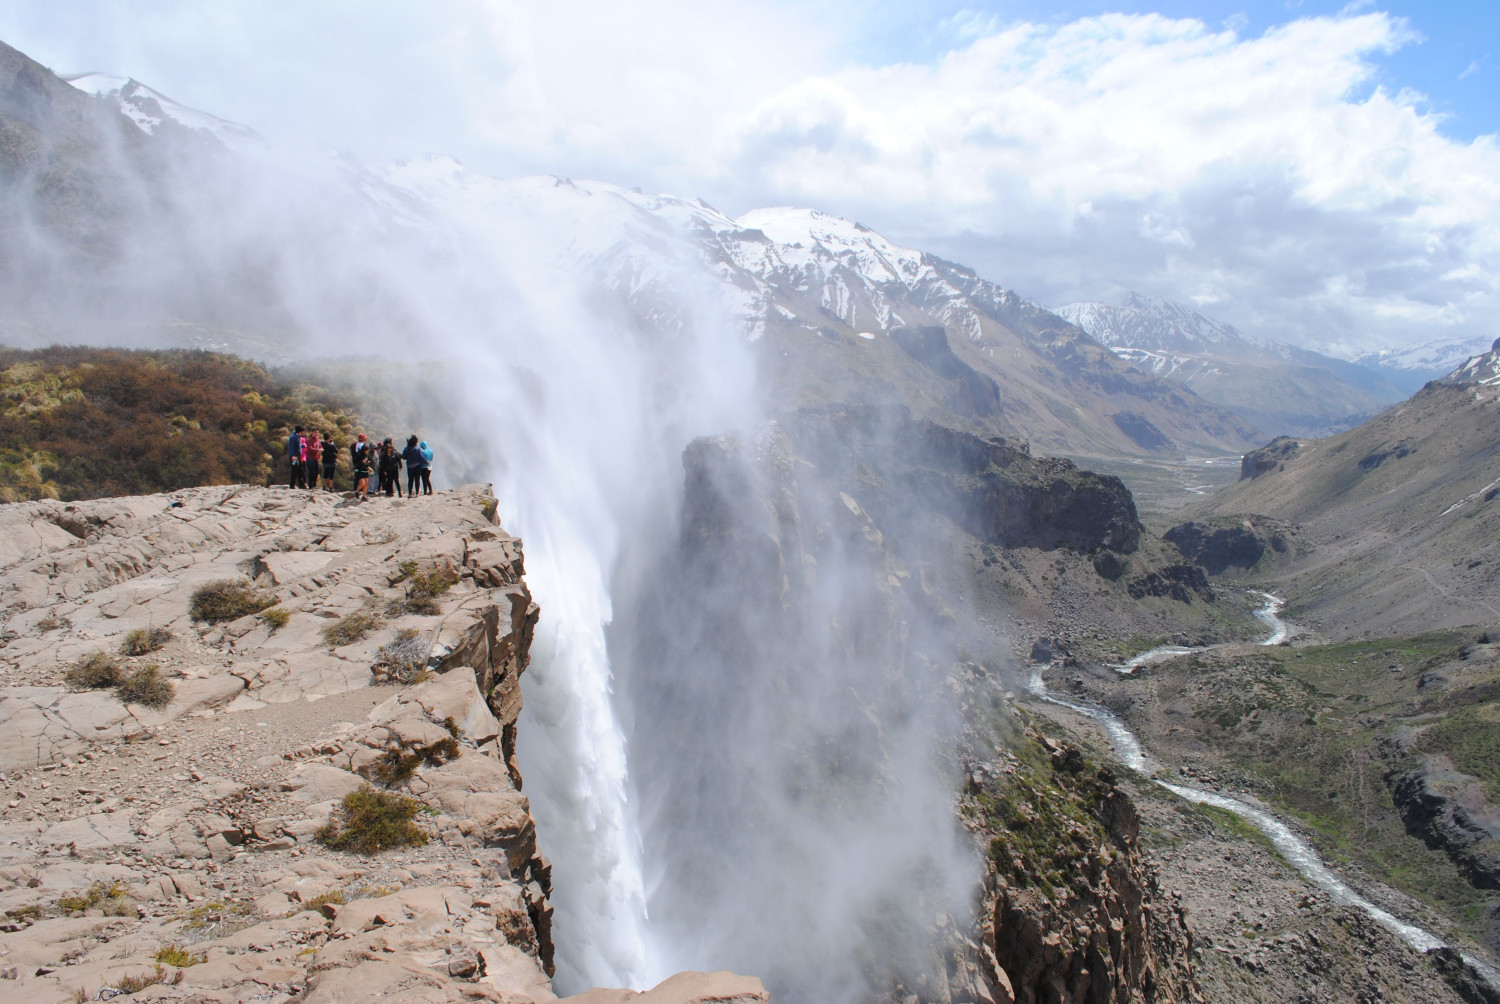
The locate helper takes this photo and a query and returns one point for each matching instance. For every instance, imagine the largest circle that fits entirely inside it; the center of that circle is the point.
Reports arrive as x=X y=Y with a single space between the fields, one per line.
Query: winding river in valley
x=1297 y=852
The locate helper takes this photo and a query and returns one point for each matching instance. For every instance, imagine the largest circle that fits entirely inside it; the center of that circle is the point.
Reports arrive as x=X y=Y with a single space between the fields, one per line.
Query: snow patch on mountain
x=149 y=108
x=1483 y=368
x=1157 y=325
x=1429 y=359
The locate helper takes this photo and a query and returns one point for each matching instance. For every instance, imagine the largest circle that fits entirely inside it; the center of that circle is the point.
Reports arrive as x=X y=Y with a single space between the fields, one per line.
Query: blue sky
x=1324 y=174
x=1454 y=63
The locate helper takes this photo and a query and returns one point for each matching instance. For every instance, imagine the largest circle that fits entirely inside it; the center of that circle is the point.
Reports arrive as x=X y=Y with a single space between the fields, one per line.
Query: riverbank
x=1243 y=815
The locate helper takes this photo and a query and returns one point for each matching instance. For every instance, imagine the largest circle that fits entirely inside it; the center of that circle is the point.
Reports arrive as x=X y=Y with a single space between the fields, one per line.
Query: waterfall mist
x=734 y=721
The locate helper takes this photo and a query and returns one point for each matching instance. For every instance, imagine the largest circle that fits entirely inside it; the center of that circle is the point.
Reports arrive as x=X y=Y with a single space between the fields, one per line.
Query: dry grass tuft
x=227 y=600
x=95 y=671
x=146 y=687
x=144 y=641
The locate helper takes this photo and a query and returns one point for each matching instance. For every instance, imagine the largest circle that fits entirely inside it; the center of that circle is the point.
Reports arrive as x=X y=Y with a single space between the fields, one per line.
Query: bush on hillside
x=144 y=641
x=370 y=821
x=79 y=423
x=95 y=671
x=146 y=687
x=403 y=659
x=227 y=600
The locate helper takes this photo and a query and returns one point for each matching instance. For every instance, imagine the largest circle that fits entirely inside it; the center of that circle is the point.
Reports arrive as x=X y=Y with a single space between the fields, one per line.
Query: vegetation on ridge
x=78 y=423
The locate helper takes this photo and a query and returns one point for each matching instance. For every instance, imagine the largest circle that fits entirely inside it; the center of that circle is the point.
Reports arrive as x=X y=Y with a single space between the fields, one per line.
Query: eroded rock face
x=127 y=831
x=1095 y=927
x=993 y=487
x=1449 y=812
x=77 y=577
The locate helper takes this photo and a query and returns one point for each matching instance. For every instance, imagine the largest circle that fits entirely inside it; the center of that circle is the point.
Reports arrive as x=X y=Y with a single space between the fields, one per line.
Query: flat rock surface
x=180 y=844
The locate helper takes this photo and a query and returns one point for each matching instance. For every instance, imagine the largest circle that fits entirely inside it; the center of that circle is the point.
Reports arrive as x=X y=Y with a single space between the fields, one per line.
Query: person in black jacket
x=414 y=466
x=390 y=468
x=330 y=462
x=360 y=456
x=296 y=448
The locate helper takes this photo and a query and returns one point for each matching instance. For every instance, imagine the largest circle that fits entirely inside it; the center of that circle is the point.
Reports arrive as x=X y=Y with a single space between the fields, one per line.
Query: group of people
x=310 y=452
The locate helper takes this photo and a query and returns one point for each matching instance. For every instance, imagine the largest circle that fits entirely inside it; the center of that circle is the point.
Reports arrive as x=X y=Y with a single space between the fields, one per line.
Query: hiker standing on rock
x=426 y=471
x=390 y=468
x=330 y=462
x=359 y=452
x=296 y=448
x=415 y=465
x=314 y=453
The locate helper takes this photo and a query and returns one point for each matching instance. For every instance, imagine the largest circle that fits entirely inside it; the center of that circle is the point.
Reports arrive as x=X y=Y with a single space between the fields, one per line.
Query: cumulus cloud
x=1120 y=152
x=1266 y=177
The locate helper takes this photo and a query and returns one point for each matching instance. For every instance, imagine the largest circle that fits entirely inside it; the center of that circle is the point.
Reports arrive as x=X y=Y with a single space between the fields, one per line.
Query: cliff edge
x=203 y=695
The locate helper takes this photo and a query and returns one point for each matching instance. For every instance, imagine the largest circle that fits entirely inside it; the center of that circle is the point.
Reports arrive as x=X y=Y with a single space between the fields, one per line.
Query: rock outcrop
x=1271 y=457
x=994 y=488
x=184 y=852
x=1233 y=542
x=1072 y=910
x=1449 y=812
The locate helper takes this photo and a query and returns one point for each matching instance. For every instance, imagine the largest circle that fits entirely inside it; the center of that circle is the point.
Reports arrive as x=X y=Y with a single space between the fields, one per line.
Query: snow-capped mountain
x=150 y=109
x=1483 y=368
x=827 y=298
x=1163 y=326
x=1414 y=365
x=1280 y=388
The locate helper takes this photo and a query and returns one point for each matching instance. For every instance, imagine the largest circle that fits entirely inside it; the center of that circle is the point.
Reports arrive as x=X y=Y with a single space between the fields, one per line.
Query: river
x=1297 y=852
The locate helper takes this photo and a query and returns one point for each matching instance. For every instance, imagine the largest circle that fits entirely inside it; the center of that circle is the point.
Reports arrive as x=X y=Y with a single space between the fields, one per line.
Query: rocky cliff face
x=1072 y=910
x=177 y=843
x=992 y=487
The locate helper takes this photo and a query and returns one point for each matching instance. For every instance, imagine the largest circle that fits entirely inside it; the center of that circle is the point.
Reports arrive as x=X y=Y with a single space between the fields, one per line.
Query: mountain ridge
x=1277 y=387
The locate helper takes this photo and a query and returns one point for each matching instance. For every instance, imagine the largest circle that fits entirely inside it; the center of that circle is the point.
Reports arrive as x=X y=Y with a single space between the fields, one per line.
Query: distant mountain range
x=1278 y=388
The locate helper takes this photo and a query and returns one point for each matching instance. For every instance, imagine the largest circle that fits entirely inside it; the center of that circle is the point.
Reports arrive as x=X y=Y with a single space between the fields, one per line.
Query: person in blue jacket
x=426 y=470
x=415 y=465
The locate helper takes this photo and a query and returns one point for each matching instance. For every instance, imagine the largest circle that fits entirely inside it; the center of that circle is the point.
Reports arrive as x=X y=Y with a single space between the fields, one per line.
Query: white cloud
x=1267 y=174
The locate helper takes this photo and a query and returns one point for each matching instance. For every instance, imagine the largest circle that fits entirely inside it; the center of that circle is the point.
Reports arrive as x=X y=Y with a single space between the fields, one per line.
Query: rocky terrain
x=184 y=848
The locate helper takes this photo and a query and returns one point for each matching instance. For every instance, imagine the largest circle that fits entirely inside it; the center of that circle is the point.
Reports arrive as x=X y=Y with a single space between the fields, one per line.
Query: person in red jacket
x=313 y=451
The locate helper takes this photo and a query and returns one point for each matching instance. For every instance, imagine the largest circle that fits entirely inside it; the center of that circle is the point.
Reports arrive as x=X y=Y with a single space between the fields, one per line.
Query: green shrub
x=276 y=617
x=176 y=955
x=146 y=687
x=370 y=821
x=144 y=641
x=227 y=600
x=95 y=671
x=403 y=659
x=350 y=629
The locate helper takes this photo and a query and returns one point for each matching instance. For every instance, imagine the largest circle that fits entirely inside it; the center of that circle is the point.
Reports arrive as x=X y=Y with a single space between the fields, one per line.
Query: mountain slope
x=1403 y=513
x=1278 y=388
